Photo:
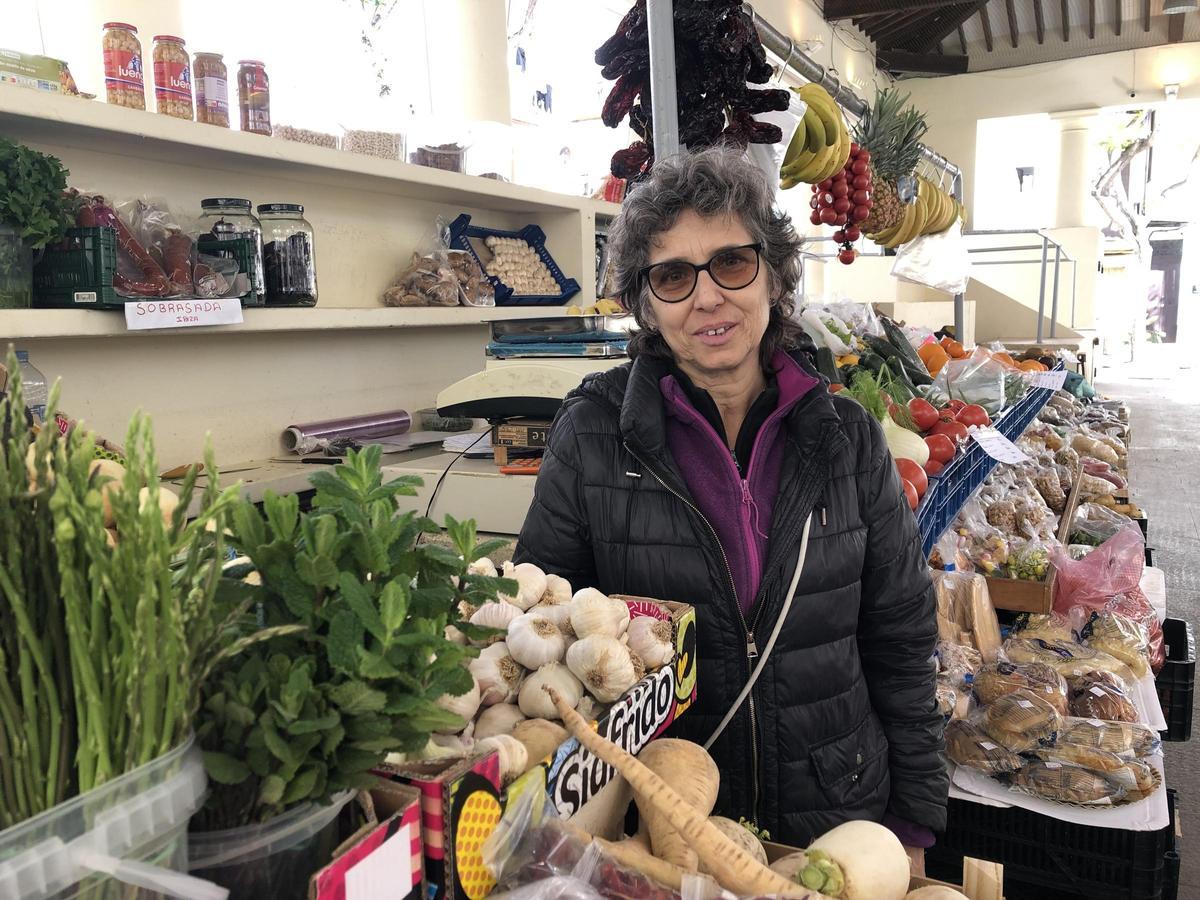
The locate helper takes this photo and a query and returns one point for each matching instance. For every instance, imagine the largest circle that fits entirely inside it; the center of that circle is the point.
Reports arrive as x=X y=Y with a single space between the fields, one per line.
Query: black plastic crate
x=79 y=272
x=1149 y=556
x=1177 y=680
x=1047 y=858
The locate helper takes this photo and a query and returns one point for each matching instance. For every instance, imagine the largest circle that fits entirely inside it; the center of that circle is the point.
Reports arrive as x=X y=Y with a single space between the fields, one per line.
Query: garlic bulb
x=514 y=758
x=650 y=638
x=534 y=640
x=603 y=665
x=639 y=665
x=494 y=615
x=559 y=615
x=456 y=744
x=455 y=636
x=482 y=566
x=498 y=674
x=531 y=584
x=498 y=719
x=466 y=706
x=558 y=591
x=536 y=703
x=595 y=613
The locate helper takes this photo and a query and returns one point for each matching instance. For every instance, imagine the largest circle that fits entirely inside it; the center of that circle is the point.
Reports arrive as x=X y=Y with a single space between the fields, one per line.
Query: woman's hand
x=916 y=860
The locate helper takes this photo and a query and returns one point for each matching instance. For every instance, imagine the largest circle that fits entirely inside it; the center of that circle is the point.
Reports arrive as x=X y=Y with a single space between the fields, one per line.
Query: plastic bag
x=1115 y=737
x=977 y=379
x=1069 y=658
x=1101 y=695
x=1020 y=721
x=1119 y=636
x=218 y=276
x=1094 y=524
x=474 y=287
x=1045 y=627
x=157 y=230
x=826 y=330
x=1067 y=784
x=1030 y=560
x=1003 y=678
x=965 y=612
x=939 y=261
x=1108 y=579
x=429 y=279
x=983 y=544
x=967 y=744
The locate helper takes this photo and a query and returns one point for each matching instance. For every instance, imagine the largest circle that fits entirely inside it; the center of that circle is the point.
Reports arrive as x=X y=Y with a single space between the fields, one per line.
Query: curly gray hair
x=712 y=183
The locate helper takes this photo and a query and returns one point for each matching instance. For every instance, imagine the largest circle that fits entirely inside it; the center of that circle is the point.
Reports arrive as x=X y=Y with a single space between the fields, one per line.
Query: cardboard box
x=383 y=859
x=462 y=800
x=41 y=73
x=521 y=433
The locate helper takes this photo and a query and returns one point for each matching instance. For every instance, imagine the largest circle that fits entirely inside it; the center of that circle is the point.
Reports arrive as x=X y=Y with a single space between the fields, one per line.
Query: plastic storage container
x=79 y=271
x=289 y=262
x=131 y=830
x=254 y=96
x=273 y=859
x=228 y=218
x=1176 y=682
x=35 y=388
x=124 y=70
x=16 y=270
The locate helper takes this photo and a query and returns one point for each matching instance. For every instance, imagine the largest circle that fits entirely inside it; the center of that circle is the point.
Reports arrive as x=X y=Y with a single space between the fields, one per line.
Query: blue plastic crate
x=951 y=488
x=461 y=232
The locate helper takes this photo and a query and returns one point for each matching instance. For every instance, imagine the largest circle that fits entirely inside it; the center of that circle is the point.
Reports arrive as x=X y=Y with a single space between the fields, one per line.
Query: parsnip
x=935 y=892
x=690 y=772
x=741 y=835
x=541 y=737
x=734 y=868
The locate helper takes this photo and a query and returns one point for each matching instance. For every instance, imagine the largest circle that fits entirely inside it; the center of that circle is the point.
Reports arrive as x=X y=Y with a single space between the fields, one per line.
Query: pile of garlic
x=518 y=265
x=582 y=644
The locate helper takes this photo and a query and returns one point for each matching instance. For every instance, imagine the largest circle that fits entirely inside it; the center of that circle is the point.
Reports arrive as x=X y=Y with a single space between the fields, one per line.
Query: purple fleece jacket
x=738 y=509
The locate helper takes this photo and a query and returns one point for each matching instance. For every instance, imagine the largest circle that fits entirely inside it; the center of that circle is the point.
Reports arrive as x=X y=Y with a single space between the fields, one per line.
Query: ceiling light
x=1175 y=7
x=1172 y=91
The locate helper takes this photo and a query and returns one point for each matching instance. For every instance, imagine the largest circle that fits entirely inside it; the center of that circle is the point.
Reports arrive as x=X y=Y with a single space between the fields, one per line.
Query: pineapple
x=892 y=134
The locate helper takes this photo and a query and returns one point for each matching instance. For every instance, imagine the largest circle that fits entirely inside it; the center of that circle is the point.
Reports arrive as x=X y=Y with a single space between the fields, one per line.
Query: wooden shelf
x=25 y=324
x=142 y=134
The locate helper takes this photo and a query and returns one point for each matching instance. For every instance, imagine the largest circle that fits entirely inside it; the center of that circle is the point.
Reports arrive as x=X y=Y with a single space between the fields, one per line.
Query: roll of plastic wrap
x=314 y=436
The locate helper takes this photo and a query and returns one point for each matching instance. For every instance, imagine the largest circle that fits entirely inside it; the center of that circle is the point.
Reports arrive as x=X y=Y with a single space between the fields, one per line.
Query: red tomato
x=923 y=413
x=910 y=494
x=956 y=431
x=974 y=415
x=933 y=467
x=954 y=406
x=913 y=474
x=834 y=388
x=941 y=448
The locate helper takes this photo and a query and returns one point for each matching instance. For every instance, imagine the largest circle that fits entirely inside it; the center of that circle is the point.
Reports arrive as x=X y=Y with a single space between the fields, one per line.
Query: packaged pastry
x=1099 y=698
x=968 y=745
x=1068 y=658
x=1046 y=627
x=1078 y=755
x=1137 y=777
x=1021 y=721
x=1000 y=679
x=1121 y=637
x=1117 y=737
x=1066 y=784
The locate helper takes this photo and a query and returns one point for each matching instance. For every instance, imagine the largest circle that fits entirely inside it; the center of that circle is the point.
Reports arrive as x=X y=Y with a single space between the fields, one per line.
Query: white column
x=468 y=59
x=1074 y=171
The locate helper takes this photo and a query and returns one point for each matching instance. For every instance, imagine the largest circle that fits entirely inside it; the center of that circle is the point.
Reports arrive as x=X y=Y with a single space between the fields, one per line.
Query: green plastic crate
x=79 y=272
x=240 y=249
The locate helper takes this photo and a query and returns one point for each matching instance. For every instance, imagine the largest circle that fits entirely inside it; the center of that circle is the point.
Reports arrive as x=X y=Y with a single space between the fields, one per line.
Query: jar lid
x=124 y=25
x=207 y=55
x=251 y=62
x=281 y=208
x=225 y=201
x=169 y=38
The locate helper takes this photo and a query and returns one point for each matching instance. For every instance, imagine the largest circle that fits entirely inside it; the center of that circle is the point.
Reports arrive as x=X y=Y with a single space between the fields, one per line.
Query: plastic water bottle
x=37 y=393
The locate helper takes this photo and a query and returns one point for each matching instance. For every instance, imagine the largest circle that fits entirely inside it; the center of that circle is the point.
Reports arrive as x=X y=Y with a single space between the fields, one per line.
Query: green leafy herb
x=33 y=196
x=310 y=712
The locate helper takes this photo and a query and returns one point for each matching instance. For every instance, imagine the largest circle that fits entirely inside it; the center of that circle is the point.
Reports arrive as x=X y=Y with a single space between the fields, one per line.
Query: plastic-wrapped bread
x=1021 y=721
x=1120 y=637
x=1066 y=784
x=1077 y=755
x=968 y=745
x=1000 y=679
x=1117 y=737
x=1101 y=698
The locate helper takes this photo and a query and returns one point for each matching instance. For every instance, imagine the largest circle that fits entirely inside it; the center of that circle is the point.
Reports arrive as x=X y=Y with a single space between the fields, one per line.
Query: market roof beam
x=850 y=9
x=895 y=30
x=940 y=25
x=1039 y=16
x=1175 y=28
x=1012 y=21
x=1066 y=20
x=988 y=40
x=1091 y=20
x=1146 y=16
x=925 y=63
x=1116 y=17
x=962 y=40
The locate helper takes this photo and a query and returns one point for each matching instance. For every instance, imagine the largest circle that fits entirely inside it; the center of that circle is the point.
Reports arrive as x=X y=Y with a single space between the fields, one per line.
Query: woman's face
x=715 y=331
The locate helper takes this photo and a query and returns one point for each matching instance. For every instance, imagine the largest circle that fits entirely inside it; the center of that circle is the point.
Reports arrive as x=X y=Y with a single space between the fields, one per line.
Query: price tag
x=997 y=446
x=145 y=315
x=1052 y=380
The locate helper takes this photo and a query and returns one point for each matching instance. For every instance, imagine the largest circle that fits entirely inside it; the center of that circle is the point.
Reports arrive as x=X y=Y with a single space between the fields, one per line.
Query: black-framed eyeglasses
x=732 y=268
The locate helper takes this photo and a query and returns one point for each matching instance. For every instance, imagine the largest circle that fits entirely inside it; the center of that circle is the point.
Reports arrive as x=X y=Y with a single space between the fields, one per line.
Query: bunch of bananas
x=604 y=307
x=933 y=212
x=820 y=145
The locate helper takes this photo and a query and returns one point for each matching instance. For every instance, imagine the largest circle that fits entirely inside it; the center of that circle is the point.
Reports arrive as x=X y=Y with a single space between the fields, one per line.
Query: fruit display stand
x=462 y=800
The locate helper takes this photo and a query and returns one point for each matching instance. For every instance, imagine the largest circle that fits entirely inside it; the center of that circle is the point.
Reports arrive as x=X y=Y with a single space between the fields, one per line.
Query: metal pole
x=1042 y=292
x=1074 y=275
x=1054 y=300
x=960 y=312
x=660 y=30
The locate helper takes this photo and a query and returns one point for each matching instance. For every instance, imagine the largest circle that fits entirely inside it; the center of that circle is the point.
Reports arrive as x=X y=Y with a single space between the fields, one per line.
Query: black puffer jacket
x=843 y=723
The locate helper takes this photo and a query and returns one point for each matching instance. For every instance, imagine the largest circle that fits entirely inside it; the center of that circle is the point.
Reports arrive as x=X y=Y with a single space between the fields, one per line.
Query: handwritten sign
x=145 y=315
x=997 y=446
x=1052 y=380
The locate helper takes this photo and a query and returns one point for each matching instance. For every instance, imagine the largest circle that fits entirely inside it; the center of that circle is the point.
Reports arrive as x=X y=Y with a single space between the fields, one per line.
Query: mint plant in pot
x=34 y=212
x=293 y=725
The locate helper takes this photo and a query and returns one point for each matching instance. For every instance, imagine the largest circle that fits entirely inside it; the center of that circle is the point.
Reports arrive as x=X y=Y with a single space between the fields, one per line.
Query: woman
x=696 y=473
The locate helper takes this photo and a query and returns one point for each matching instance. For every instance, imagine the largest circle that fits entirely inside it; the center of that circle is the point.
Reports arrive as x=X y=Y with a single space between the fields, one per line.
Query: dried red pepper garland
x=717 y=53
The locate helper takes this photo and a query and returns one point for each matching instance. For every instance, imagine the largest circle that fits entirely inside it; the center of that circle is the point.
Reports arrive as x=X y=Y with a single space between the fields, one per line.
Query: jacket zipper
x=751 y=646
